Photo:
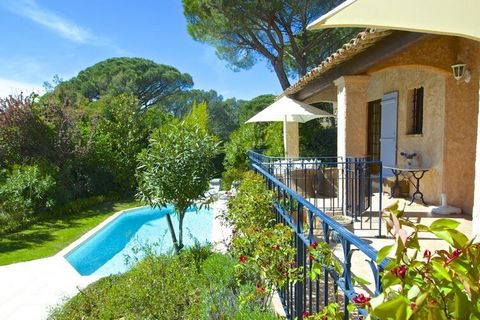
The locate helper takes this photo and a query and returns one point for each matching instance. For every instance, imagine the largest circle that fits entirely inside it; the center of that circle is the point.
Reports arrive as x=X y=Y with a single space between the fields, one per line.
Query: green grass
x=46 y=238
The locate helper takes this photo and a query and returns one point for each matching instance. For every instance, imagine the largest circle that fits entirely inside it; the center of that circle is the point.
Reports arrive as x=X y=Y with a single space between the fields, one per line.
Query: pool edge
x=92 y=232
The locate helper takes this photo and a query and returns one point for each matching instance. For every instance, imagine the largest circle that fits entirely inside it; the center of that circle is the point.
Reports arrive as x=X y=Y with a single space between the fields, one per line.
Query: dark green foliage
x=254 y=106
x=165 y=287
x=222 y=114
x=318 y=137
x=245 y=31
x=265 y=136
x=119 y=137
x=26 y=190
x=144 y=79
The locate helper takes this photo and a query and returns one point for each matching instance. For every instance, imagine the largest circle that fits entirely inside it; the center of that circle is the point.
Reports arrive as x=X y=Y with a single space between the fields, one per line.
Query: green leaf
x=395 y=308
x=382 y=253
x=360 y=280
x=441 y=270
x=461 y=305
x=453 y=237
x=444 y=223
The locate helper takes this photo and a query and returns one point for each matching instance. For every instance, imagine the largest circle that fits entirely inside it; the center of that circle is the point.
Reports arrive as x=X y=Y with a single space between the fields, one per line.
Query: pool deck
x=28 y=290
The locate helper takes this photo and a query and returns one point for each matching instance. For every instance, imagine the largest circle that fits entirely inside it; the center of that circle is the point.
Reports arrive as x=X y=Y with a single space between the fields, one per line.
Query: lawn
x=46 y=238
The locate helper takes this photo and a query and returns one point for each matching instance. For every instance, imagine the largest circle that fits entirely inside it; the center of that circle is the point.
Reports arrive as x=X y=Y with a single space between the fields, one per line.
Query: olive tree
x=176 y=169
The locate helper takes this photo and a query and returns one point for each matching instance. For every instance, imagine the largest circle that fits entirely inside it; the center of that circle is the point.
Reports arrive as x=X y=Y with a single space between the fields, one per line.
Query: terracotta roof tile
x=359 y=43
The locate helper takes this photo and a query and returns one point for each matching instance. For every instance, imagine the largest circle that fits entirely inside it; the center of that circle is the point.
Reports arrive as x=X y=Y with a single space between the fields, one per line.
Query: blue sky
x=42 y=38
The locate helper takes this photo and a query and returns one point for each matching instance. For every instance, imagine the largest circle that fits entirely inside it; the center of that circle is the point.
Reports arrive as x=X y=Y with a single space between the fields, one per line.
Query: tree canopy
x=176 y=169
x=144 y=79
x=276 y=30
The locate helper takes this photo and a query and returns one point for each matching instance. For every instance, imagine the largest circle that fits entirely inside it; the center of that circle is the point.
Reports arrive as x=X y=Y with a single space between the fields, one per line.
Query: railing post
x=326 y=231
x=347 y=275
x=299 y=285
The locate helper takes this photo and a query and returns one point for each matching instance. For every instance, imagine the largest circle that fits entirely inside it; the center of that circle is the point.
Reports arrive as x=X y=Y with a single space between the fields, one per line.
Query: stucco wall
x=460 y=129
x=448 y=142
x=428 y=145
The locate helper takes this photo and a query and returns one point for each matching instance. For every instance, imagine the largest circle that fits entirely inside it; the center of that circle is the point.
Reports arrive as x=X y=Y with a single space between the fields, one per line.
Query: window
x=415 y=111
x=374 y=119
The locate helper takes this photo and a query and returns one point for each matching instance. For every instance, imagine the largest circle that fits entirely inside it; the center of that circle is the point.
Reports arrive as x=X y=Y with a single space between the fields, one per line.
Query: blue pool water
x=106 y=252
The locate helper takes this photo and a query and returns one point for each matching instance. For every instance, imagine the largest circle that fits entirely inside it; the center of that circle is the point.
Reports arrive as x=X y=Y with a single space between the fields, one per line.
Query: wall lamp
x=460 y=72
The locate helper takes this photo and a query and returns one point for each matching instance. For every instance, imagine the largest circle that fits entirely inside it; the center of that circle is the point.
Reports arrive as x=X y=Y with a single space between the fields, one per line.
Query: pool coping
x=92 y=232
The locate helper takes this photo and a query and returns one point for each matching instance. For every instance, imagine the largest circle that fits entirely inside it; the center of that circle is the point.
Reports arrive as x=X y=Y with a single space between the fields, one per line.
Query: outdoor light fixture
x=460 y=72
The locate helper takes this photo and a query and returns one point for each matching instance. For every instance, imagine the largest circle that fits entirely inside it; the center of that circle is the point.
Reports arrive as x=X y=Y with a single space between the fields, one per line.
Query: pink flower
x=454 y=255
x=427 y=255
x=314 y=245
x=400 y=271
x=361 y=299
x=260 y=288
x=243 y=259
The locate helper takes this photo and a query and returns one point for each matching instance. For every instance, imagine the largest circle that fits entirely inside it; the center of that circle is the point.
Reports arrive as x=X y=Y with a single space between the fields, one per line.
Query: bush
x=165 y=287
x=27 y=191
x=264 y=250
x=252 y=206
x=157 y=288
x=437 y=285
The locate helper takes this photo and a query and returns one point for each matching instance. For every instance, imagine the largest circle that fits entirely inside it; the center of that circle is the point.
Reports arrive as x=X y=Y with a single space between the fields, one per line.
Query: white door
x=388 y=131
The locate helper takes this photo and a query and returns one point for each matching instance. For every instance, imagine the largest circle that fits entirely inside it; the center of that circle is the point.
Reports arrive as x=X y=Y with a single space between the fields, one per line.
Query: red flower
x=361 y=299
x=427 y=255
x=454 y=255
x=400 y=271
x=260 y=288
x=413 y=305
x=306 y=314
x=314 y=245
x=311 y=257
x=243 y=259
x=276 y=247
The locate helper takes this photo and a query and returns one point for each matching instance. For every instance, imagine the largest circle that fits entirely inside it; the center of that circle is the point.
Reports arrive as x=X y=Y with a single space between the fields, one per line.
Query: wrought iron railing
x=310 y=223
x=339 y=187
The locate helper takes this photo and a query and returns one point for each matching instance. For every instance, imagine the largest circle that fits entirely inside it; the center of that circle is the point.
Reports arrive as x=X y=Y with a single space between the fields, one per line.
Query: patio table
x=412 y=175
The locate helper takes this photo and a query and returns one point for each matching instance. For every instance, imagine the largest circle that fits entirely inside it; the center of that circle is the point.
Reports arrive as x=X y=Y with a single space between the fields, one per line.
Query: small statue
x=408 y=158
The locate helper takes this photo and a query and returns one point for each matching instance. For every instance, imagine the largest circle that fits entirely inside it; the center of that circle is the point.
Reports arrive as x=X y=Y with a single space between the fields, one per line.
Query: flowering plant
x=421 y=284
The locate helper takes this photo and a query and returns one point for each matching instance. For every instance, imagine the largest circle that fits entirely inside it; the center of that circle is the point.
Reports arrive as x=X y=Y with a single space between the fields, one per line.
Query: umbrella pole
x=285 y=146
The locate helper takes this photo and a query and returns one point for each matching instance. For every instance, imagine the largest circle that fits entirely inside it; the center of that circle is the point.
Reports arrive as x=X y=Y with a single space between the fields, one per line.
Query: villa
x=399 y=92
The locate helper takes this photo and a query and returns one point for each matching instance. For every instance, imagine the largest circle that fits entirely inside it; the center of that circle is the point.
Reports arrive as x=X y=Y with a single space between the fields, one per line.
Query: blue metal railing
x=303 y=216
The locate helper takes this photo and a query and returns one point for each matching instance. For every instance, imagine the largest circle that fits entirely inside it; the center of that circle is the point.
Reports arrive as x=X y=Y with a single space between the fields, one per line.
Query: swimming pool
x=107 y=250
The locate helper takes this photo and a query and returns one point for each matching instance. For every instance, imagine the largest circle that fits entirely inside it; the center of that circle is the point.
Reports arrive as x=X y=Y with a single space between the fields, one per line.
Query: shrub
x=252 y=206
x=264 y=250
x=437 y=285
x=26 y=191
x=176 y=169
x=164 y=287
x=157 y=288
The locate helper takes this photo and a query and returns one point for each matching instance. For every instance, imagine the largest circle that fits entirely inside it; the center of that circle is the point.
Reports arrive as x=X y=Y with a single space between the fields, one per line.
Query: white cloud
x=12 y=87
x=59 y=25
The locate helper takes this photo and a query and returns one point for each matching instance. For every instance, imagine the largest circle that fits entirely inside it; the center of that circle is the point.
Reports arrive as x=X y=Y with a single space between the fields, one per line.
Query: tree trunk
x=181 y=215
x=281 y=74
x=172 y=233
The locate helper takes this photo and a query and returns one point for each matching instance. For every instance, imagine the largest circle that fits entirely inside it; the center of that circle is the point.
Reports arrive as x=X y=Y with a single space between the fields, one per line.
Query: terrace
x=339 y=201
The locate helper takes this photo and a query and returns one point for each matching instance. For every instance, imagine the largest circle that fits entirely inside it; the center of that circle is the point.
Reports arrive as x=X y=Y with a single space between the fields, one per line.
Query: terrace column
x=292 y=139
x=476 y=192
x=352 y=115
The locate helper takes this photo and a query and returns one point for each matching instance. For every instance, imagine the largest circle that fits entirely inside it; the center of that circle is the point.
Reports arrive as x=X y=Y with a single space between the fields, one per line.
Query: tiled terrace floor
x=417 y=213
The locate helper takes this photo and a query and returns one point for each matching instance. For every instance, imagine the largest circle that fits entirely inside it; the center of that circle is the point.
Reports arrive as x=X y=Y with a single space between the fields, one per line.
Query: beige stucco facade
x=448 y=141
